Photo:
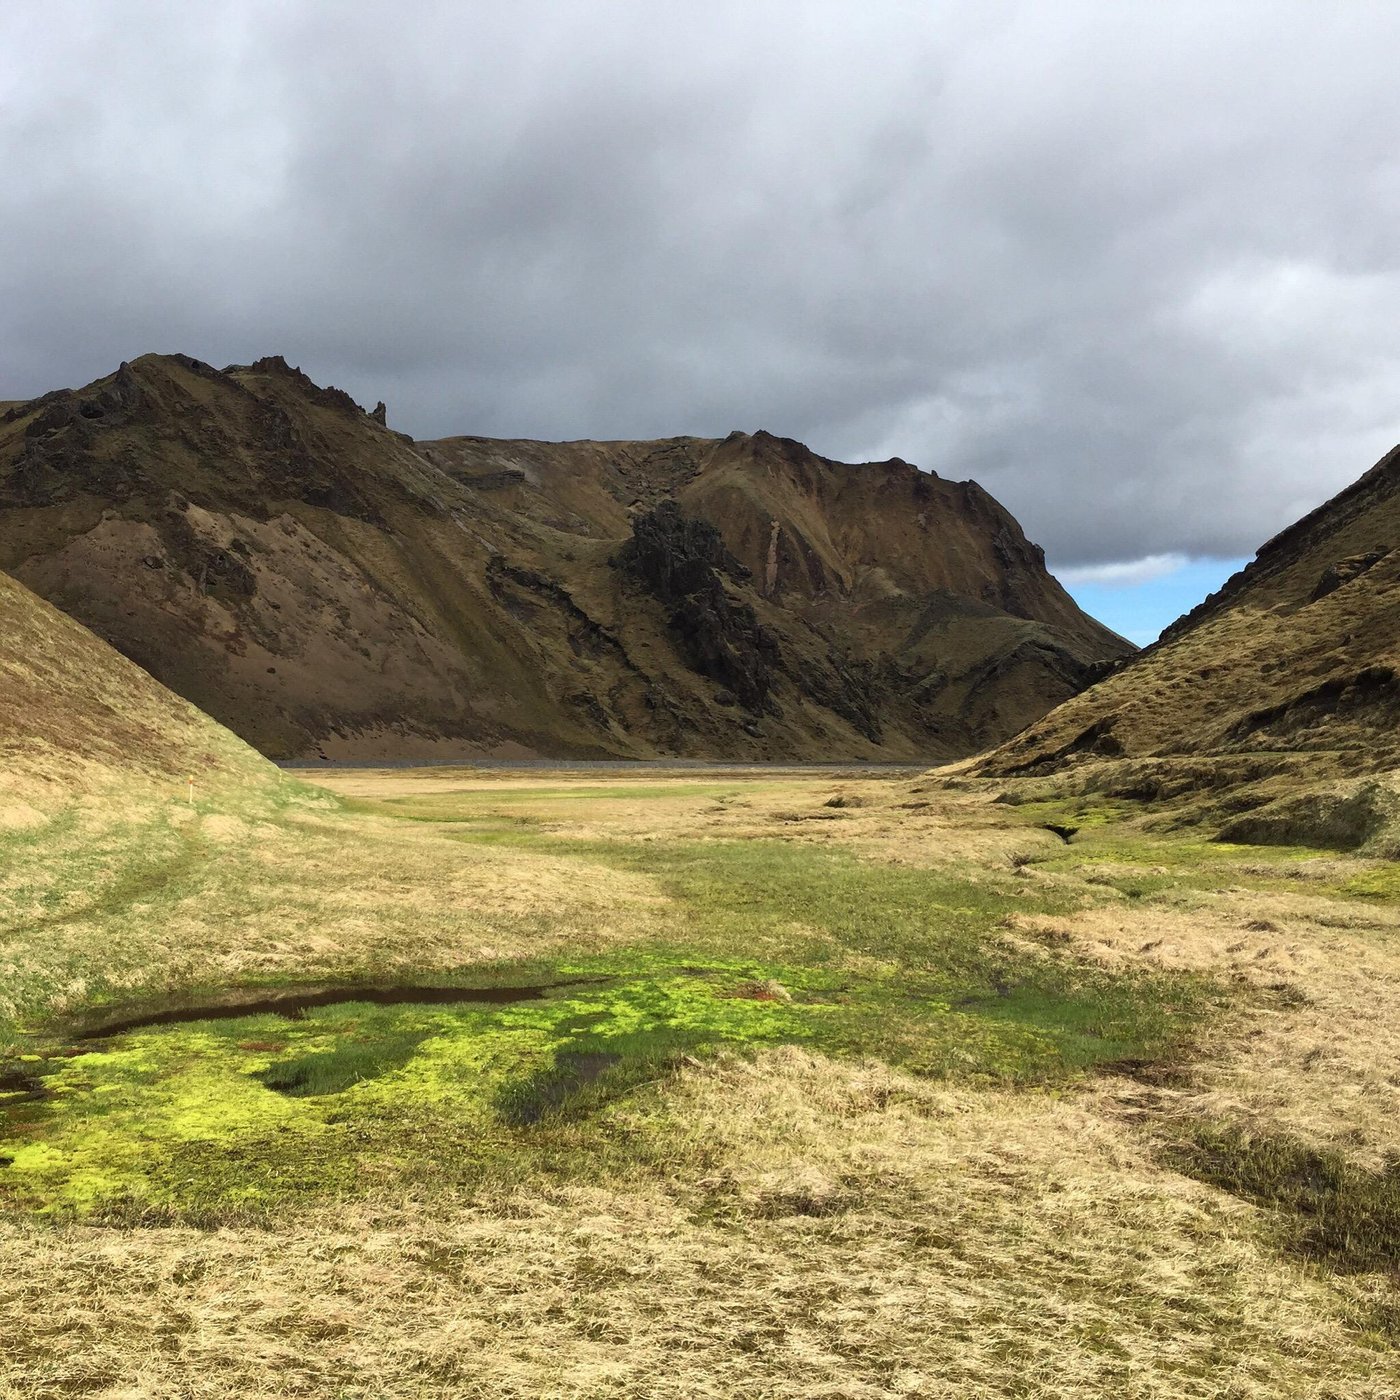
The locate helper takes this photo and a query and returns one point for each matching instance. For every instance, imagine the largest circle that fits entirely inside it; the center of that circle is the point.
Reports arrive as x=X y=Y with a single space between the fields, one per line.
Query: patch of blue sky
x=1137 y=599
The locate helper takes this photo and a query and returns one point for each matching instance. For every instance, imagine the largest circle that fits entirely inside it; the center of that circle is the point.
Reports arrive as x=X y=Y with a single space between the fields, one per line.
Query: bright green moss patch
x=352 y=1060
x=218 y=1119
x=212 y=1118
x=1380 y=882
x=756 y=942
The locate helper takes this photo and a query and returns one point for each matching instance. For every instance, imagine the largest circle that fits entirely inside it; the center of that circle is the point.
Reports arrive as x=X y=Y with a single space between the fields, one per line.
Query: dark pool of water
x=295 y=1004
x=18 y=1086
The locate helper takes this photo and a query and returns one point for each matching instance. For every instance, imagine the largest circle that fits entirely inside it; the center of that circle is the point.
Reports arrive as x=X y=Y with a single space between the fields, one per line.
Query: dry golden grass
x=1225 y=684
x=1318 y=1053
x=165 y=897
x=884 y=816
x=824 y=1230
x=76 y=717
x=847 y=1233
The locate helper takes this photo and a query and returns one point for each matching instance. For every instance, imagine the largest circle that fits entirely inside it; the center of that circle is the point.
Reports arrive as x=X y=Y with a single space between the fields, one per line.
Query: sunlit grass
x=1324 y=1206
x=817 y=1093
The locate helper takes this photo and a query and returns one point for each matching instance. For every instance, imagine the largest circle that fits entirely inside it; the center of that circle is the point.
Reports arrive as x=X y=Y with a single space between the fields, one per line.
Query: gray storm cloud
x=1131 y=267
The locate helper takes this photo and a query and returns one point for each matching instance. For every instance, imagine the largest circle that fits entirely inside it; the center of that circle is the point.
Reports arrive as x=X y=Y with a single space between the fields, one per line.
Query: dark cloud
x=1132 y=267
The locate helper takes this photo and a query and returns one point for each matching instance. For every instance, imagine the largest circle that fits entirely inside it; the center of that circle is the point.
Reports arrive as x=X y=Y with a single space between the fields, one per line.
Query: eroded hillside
x=322 y=584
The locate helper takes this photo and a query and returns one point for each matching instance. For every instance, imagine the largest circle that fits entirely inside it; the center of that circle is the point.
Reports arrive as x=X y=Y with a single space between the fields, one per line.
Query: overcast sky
x=1135 y=267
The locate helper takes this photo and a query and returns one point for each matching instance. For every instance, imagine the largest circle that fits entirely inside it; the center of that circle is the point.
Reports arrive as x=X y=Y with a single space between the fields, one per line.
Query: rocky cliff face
x=1289 y=676
x=324 y=585
x=683 y=564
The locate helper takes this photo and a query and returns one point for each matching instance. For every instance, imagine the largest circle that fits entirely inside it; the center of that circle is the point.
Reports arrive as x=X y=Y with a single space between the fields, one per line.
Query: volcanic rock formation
x=324 y=585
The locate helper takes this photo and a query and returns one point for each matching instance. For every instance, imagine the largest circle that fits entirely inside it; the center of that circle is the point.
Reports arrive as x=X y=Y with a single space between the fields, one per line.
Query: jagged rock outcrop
x=324 y=585
x=1334 y=576
x=682 y=564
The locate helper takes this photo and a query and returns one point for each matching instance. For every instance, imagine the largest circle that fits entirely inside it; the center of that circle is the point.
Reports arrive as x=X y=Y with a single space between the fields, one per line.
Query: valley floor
x=790 y=1084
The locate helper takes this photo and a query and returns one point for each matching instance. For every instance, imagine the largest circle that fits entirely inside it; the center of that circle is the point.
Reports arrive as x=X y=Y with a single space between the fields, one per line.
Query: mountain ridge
x=325 y=585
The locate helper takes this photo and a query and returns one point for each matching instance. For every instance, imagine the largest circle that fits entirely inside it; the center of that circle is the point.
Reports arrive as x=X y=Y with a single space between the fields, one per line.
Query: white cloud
x=1126 y=574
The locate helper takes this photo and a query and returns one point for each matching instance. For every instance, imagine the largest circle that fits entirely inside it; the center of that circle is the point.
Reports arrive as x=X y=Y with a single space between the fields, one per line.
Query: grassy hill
x=115 y=794
x=79 y=719
x=1274 y=707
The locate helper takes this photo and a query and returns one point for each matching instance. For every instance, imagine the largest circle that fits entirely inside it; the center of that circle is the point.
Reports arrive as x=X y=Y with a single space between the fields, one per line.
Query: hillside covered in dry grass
x=1273 y=709
x=78 y=721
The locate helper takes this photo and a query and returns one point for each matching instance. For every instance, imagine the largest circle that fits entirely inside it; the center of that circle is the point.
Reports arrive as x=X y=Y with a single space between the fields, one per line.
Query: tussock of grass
x=1328 y=1207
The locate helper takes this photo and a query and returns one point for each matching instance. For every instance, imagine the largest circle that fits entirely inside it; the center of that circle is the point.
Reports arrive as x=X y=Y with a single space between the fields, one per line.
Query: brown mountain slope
x=322 y=584
x=1286 y=679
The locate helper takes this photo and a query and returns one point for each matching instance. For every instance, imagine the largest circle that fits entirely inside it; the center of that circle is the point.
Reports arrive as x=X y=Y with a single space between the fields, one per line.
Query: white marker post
x=191 y=790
